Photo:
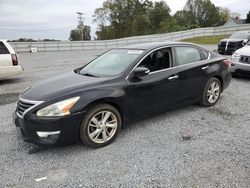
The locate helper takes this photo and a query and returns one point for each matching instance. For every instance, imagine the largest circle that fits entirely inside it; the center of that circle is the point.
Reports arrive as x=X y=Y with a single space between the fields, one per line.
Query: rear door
x=193 y=64
x=5 y=56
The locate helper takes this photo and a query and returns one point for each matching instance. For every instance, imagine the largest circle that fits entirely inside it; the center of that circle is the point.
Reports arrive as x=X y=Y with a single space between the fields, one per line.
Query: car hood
x=61 y=85
x=232 y=40
x=244 y=51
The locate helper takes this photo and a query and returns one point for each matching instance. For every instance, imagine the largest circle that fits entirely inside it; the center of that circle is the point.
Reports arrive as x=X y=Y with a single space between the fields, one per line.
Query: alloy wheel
x=102 y=126
x=213 y=92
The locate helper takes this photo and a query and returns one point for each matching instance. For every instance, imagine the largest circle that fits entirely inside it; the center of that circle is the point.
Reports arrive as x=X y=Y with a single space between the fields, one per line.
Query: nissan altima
x=92 y=103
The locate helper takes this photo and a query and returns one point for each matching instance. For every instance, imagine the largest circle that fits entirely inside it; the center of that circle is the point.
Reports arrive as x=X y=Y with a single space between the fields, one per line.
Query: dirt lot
x=150 y=153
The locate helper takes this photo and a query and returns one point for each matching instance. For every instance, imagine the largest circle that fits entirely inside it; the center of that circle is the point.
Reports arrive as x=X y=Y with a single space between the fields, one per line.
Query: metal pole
x=80 y=24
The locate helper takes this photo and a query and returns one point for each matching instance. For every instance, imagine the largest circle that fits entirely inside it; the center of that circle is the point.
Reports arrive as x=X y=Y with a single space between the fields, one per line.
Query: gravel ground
x=215 y=150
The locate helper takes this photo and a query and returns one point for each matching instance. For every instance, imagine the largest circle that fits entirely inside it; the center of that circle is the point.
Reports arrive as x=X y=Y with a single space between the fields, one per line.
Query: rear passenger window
x=187 y=55
x=3 y=49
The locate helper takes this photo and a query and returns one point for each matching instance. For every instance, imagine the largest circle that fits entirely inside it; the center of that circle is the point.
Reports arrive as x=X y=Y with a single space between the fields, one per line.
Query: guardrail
x=103 y=44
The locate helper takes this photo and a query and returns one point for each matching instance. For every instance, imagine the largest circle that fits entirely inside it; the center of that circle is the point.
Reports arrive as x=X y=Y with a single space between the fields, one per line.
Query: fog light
x=46 y=134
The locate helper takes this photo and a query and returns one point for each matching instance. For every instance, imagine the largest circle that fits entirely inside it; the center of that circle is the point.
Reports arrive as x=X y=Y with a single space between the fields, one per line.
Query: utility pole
x=80 y=23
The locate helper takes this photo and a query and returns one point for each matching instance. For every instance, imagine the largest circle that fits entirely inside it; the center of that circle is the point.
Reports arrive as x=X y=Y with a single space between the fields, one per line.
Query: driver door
x=158 y=89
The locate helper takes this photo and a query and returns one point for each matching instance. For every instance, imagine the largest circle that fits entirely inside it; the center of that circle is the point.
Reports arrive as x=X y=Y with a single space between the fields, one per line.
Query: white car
x=241 y=62
x=9 y=66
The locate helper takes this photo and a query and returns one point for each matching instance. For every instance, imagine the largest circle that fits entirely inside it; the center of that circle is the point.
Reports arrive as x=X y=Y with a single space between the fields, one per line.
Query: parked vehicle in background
x=129 y=83
x=241 y=62
x=9 y=66
x=234 y=42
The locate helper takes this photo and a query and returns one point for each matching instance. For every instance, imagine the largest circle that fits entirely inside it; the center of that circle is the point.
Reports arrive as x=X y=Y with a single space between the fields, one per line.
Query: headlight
x=236 y=57
x=61 y=108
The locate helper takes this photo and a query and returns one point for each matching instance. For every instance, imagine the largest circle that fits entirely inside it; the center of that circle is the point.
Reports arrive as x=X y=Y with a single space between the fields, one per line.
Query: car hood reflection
x=60 y=85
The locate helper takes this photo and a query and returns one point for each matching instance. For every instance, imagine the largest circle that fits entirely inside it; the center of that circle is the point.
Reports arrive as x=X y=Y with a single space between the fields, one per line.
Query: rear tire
x=100 y=126
x=211 y=93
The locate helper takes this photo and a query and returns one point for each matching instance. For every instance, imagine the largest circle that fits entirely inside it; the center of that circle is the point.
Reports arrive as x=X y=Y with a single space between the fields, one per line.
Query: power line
x=80 y=23
x=80 y=18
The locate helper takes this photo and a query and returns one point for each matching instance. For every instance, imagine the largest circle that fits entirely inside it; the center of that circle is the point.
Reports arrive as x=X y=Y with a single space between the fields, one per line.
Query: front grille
x=223 y=44
x=232 y=44
x=23 y=106
x=245 y=59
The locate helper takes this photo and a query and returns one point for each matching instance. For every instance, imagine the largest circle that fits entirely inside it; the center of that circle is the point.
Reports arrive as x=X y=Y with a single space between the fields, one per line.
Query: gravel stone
x=148 y=153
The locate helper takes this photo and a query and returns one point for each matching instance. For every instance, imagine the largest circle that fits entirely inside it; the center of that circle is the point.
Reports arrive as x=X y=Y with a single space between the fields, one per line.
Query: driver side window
x=158 y=60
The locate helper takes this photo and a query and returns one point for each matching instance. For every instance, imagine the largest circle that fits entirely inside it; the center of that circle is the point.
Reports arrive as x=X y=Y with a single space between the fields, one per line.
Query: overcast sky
x=41 y=19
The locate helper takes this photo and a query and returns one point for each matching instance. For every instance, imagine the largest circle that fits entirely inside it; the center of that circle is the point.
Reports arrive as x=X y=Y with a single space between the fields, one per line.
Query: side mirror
x=245 y=41
x=141 y=71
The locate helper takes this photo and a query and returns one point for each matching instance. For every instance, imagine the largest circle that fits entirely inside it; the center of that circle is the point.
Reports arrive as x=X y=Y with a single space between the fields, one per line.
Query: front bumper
x=238 y=68
x=49 y=131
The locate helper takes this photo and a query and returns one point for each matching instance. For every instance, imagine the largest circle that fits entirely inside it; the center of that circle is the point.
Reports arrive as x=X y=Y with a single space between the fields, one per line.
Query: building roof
x=239 y=21
x=234 y=21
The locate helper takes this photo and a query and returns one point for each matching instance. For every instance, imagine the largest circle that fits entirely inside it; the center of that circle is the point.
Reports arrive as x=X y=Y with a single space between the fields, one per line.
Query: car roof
x=8 y=46
x=152 y=45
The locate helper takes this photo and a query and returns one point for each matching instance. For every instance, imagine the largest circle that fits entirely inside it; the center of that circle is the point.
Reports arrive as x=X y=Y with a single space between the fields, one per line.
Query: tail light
x=227 y=62
x=14 y=59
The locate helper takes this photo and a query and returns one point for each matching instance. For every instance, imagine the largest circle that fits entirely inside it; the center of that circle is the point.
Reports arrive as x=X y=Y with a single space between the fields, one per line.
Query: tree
x=204 y=13
x=119 y=18
x=82 y=32
x=159 y=17
x=124 y=18
x=101 y=17
x=224 y=15
x=248 y=17
x=184 y=20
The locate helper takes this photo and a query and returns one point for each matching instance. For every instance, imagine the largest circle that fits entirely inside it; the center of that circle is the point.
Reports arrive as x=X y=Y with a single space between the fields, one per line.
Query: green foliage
x=32 y=40
x=82 y=32
x=248 y=17
x=205 y=14
x=159 y=17
x=24 y=40
x=224 y=15
x=124 y=18
x=185 y=20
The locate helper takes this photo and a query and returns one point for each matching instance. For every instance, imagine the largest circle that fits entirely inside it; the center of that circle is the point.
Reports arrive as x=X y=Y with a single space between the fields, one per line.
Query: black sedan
x=234 y=42
x=94 y=102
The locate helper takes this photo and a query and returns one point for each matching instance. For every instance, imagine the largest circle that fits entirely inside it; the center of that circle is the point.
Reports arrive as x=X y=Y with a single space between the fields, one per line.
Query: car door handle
x=204 y=68
x=171 y=78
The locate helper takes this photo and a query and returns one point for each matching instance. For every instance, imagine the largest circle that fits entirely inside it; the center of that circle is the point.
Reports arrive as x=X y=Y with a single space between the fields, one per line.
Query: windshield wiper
x=88 y=74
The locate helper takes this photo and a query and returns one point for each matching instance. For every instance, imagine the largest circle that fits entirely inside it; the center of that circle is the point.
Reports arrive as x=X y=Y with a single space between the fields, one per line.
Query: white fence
x=103 y=44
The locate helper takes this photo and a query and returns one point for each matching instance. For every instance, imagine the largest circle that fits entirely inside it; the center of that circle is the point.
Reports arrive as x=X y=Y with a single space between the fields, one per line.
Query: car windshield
x=111 y=63
x=239 y=36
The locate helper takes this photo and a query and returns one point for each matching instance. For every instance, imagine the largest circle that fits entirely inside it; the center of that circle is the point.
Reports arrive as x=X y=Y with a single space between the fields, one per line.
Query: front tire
x=100 y=126
x=211 y=93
